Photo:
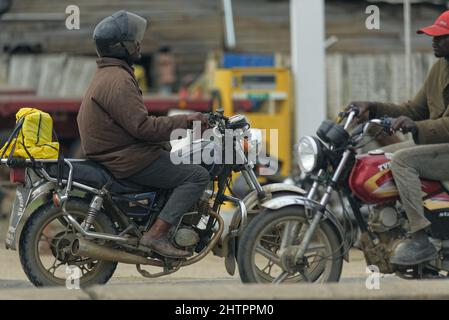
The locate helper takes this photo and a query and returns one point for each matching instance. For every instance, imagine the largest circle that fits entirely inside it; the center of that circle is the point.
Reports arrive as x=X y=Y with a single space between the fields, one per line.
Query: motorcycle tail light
x=17 y=175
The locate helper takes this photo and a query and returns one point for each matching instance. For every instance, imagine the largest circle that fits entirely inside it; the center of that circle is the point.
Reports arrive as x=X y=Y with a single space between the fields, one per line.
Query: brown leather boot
x=157 y=240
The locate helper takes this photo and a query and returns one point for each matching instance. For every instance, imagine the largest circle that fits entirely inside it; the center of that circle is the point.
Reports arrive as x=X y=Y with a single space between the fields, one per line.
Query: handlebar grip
x=387 y=122
x=355 y=109
x=344 y=114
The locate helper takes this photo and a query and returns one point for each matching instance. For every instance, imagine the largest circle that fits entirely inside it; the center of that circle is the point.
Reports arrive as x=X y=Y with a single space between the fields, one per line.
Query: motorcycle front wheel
x=45 y=248
x=260 y=246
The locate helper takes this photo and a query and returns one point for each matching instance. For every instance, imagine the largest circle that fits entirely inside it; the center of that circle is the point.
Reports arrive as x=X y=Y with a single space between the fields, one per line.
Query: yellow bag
x=32 y=136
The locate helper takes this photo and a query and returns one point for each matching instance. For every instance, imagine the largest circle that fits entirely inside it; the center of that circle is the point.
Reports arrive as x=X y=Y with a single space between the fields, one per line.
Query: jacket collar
x=114 y=62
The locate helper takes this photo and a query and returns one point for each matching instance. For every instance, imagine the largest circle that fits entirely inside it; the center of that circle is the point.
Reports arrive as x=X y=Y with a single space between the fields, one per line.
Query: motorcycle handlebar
x=351 y=109
x=218 y=118
x=385 y=123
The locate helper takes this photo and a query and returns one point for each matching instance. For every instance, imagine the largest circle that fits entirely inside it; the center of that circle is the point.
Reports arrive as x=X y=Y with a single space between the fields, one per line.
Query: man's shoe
x=163 y=246
x=413 y=251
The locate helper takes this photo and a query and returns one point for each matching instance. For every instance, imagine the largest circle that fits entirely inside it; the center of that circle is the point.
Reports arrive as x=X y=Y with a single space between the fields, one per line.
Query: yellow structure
x=269 y=90
x=139 y=72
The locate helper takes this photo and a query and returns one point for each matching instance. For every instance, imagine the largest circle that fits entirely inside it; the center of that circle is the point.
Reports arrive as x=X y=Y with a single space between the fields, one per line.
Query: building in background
x=361 y=64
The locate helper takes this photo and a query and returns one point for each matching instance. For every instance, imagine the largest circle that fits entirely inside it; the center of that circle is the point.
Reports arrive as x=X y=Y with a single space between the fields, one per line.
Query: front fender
x=285 y=201
x=251 y=199
x=273 y=187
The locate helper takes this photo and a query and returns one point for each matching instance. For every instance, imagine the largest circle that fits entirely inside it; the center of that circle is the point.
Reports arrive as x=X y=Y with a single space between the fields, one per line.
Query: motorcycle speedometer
x=333 y=133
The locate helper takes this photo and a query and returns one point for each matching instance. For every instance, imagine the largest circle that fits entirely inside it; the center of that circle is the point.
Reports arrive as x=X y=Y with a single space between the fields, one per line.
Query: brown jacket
x=114 y=124
x=429 y=108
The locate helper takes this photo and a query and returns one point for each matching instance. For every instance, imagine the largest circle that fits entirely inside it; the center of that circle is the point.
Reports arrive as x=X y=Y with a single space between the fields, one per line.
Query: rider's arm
x=415 y=109
x=433 y=131
x=129 y=111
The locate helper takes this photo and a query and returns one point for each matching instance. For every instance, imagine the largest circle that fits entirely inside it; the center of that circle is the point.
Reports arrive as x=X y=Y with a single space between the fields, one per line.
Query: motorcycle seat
x=95 y=175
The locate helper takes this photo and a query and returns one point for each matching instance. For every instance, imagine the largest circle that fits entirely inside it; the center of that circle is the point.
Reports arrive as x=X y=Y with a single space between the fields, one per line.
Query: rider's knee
x=201 y=175
x=400 y=159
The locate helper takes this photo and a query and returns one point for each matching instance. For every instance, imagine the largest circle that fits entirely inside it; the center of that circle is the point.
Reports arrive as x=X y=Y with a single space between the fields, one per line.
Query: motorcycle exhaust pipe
x=85 y=248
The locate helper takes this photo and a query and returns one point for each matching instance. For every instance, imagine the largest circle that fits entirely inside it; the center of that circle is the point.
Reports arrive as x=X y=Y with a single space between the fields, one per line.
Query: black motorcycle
x=74 y=213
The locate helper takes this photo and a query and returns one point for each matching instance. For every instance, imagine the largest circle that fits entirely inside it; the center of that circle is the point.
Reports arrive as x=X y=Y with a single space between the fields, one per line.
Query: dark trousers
x=188 y=181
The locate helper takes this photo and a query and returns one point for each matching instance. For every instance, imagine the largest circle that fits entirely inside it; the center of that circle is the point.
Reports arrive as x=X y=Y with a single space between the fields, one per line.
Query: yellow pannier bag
x=32 y=136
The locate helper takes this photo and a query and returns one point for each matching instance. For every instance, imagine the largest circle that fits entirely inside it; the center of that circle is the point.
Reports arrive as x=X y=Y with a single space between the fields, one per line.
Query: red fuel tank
x=372 y=182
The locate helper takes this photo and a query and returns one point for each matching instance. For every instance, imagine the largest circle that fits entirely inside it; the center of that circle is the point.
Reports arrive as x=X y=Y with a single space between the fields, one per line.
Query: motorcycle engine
x=386 y=222
x=186 y=237
x=187 y=233
x=383 y=218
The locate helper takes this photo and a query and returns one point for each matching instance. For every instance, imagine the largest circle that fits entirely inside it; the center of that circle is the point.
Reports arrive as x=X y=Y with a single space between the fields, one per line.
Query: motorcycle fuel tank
x=372 y=182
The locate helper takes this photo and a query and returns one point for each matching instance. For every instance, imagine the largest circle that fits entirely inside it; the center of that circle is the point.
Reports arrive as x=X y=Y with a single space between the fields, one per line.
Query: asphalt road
x=208 y=279
x=210 y=271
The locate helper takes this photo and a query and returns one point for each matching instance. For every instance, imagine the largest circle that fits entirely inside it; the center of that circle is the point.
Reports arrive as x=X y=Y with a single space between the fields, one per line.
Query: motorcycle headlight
x=309 y=154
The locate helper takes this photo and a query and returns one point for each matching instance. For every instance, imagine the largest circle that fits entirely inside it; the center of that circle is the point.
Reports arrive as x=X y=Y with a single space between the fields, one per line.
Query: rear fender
x=26 y=202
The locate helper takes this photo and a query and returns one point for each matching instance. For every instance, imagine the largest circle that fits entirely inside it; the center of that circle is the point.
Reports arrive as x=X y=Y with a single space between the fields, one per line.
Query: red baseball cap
x=439 y=28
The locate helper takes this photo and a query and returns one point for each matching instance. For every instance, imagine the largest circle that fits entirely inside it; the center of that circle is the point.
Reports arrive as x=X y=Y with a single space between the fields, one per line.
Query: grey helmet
x=117 y=35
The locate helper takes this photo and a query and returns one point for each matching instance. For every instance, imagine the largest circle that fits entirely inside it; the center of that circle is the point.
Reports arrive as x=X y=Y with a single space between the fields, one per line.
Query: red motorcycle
x=300 y=238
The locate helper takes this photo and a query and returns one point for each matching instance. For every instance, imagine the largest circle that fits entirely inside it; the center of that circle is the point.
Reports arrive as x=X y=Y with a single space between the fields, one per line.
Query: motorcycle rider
x=427 y=156
x=117 y=131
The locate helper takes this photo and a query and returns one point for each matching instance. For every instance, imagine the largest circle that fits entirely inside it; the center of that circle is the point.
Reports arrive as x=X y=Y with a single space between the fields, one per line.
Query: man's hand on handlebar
x=363 y=108
x=404 y=124
x=198 y=116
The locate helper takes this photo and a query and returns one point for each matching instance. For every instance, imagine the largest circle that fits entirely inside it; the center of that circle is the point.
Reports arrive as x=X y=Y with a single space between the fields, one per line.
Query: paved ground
x=208 y=279
x=209 y=271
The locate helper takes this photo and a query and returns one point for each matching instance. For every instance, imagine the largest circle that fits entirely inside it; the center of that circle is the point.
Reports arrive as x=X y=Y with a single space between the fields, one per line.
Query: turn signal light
x=56 y=199
x=245 y=145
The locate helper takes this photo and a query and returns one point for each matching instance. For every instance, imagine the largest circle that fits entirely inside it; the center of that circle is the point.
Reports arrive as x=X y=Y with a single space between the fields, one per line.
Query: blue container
x=232 y=60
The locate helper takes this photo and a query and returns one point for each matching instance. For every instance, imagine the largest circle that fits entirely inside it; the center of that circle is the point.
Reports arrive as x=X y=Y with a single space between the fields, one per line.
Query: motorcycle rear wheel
x=46 y=237
x=264 y=234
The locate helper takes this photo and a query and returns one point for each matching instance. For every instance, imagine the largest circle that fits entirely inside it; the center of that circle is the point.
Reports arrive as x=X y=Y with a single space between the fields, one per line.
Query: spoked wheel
x=261 y=257
x=45 y=247
x=253 y=208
